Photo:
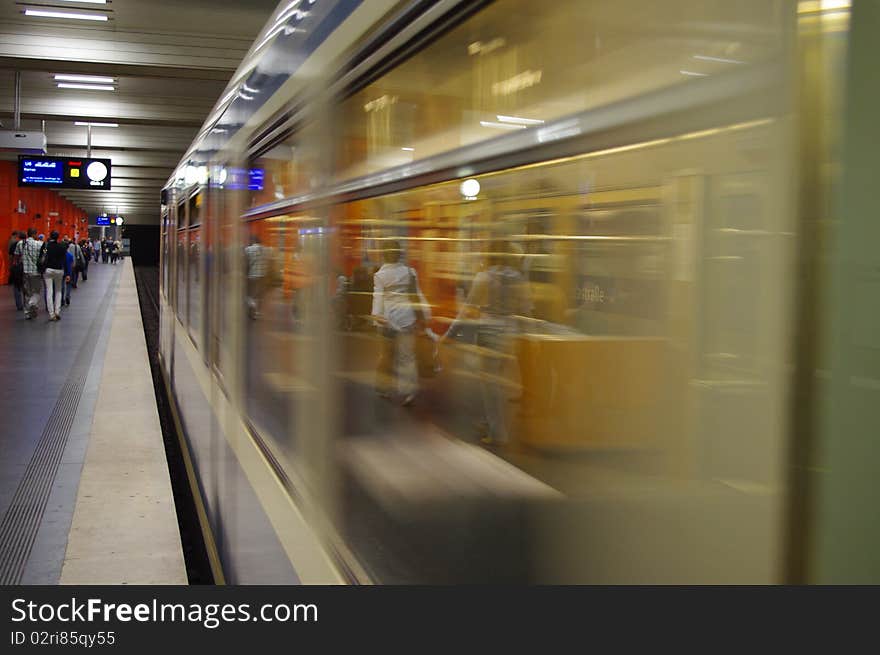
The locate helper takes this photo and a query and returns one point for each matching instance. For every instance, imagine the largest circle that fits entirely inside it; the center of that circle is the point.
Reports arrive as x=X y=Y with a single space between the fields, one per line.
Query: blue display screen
x=255 y=179
x=42 y=171
x=102 y=220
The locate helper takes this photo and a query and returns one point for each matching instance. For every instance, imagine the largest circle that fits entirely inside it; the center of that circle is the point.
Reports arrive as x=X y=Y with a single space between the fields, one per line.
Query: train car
x=465 y=292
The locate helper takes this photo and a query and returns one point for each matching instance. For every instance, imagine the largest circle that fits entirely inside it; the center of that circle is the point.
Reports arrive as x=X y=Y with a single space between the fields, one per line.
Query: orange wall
x=71 y=220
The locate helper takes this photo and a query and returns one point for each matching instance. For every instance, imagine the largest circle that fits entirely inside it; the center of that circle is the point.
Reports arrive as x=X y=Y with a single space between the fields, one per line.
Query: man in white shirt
x=395 y=286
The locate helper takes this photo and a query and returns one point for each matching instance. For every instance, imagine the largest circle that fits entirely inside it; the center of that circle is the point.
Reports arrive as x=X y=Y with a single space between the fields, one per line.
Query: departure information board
x=64 y=172
x=255 y=179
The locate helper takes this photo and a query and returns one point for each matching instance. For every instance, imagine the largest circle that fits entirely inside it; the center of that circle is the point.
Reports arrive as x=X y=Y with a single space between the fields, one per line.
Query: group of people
x=498 y=297
x=51 y=268
x=492 y=312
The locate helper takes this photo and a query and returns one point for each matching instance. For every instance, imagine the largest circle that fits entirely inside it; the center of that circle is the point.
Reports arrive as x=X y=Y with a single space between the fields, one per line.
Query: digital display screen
x=255 y=179
x=235 y=179
x=102 y=220
x=64 y=172
x=42 y=171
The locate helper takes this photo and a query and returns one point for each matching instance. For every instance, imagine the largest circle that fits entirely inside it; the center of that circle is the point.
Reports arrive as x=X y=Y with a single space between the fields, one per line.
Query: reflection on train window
x=182 y=256
x=279 y=274
x=163 y=279
x=566 y=295
x=195 y=287
x=283 y=171
x=514 y=65
x=224 y=269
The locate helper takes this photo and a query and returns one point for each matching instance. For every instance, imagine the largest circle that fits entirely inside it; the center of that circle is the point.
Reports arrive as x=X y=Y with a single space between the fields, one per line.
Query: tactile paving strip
x=20 y=524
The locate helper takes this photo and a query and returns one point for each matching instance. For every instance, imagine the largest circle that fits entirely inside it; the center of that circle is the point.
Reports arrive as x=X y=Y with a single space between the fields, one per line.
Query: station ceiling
x=169 y=60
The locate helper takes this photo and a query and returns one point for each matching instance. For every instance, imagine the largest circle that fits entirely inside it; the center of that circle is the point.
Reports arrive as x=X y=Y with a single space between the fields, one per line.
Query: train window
x=280 y=269
x=194 y=287
x=182 y=285
x=283 y=171
x=223 y=269
x=194 y=283
x=516 y=65
x=562 y=392
x=163 y=279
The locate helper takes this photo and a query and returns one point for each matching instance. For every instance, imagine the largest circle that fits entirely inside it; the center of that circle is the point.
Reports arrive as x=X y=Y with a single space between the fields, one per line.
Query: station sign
x=242 y=178
x=109 y=220
x=64 y=172
x=255 y=179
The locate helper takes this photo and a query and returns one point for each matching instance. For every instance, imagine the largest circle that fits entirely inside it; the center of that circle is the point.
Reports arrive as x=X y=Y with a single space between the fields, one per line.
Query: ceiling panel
x=170 y=60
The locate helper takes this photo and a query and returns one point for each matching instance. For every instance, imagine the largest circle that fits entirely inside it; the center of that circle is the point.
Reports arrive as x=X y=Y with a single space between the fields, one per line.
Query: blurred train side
x=643 y=162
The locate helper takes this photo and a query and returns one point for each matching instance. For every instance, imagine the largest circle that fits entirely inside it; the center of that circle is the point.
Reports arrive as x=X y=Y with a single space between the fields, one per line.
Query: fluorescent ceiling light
x=719 y=59
x=694 y=73
x=92 y=79
x=94 y=2
x=245 y=96
x=409 y=149
x=87 y=87
x=64 y=14
x=519 y=121
x=249 y=89
x=504 y=126
x=85 y=124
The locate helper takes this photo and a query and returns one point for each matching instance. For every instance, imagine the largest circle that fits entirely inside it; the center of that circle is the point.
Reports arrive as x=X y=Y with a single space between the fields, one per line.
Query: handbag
x=43 y=259
x=427 y=356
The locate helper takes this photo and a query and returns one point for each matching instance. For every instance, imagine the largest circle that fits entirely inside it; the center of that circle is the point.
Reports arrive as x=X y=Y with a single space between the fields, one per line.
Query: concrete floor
x=102 y=511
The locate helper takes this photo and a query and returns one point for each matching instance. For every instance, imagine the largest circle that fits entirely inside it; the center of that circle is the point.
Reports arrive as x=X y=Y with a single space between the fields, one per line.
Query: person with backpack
x=498 y=300
x=69 y=268
x=53 y=260
x=79 y=263
x=28 y=253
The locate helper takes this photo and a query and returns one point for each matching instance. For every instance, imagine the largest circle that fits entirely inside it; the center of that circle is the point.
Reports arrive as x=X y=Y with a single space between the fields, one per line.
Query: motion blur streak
x=582 y=348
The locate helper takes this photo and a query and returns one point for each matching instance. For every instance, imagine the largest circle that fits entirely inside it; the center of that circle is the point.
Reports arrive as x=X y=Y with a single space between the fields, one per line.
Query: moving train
x=644 y=178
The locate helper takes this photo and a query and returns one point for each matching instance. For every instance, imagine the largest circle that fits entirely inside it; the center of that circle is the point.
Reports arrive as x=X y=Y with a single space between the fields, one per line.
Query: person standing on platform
x=16 y=272
x=86 y=248
x=56 y=263
x=78 y=263
x=105 y=250
x=69 y=265
x=96 y=249
x=28 y=253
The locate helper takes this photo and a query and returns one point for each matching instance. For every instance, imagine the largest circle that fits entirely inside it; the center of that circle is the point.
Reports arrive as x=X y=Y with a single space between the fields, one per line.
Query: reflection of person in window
x=394 y=286
x=255 y=255
x=499 y=295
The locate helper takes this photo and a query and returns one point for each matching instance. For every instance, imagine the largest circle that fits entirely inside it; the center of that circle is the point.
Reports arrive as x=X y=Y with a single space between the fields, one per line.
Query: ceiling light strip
x=87 y=87
x=39 y=13
x=92 y=79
